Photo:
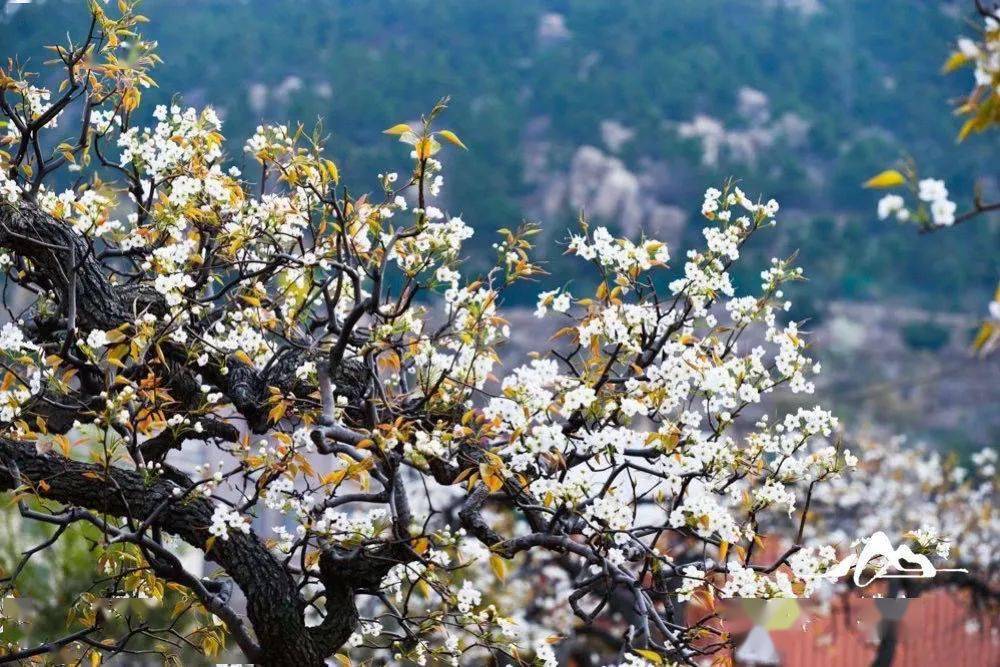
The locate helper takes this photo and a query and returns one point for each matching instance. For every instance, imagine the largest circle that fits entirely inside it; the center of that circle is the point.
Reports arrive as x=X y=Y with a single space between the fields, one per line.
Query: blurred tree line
x=863 y=75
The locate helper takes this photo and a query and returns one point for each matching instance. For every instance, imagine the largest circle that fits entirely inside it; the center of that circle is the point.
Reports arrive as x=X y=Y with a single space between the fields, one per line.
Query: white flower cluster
x=34 y=101
x=935 y=194
x=343 y=527
x=906 y=485
x=398 y=575
x=468 y=597
x=424 y=446
x=12 y=340
x=929 y=539
x=97 y=339
x=569 y=489
x=104 y=120
x=791 y=362
x=88 y=212
x=464 y=357
x=559 y=300
x=985 y=55
x=224 y=520
x=436 y=241
x=705 y=275
x=13 y=398
x=173 y=143
x=9 y=192
x=276 y=496
x=692 y=579
x=15 y=393
x=612 y=513
x=240 y=330
x=619 y=324
x=702 y=512
x=619 y=255
x=893 y=204
x=269 y=141
x=365 y=629
x=633 y=660
x=332 y=525
x=579 y=398
x=714 y=199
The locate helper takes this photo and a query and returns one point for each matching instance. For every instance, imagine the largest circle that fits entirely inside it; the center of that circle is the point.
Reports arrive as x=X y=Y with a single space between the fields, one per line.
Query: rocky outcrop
x=593 y=181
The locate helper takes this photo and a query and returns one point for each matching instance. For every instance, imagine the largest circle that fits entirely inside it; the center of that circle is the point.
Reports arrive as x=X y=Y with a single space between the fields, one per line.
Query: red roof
x=938 y=629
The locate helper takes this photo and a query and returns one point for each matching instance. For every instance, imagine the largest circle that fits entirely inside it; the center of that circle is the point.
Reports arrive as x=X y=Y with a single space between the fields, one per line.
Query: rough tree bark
x=274 y=607
x=89 y=299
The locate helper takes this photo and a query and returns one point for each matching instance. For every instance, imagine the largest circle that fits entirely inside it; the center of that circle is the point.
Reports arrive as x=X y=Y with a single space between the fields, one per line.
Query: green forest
x=862 y=79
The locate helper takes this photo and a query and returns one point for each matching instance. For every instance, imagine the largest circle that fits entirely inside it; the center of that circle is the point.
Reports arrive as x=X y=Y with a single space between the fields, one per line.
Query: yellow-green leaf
x=130 y=101
x=209 y=645
x=243 y=357
x=332 y=170
x=651 y=656
x=968 y=127
x=889 y=178
x=398 y=129
x=453 y=138
x=956 y=60
x=498 y=566
x=277 y=412
x=983 y=336
x=493 y=482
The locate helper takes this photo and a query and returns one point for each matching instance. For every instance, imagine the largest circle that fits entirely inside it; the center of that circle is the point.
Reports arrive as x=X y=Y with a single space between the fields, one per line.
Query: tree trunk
x=274 y=607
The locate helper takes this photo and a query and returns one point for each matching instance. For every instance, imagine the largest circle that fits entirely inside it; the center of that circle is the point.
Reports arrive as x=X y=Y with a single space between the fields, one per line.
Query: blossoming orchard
x=340 y=373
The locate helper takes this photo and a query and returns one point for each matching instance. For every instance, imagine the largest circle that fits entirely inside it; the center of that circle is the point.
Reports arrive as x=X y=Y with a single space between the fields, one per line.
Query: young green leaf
x=398 y=129
x=889 y=178
x=453 y=138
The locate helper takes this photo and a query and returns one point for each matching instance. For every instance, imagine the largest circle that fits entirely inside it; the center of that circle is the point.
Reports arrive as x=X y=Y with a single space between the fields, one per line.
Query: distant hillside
x=627 y=109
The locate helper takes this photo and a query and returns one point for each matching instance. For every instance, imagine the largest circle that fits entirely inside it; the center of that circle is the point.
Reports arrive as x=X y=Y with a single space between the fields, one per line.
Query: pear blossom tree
x=328 y=358
x=931 y=207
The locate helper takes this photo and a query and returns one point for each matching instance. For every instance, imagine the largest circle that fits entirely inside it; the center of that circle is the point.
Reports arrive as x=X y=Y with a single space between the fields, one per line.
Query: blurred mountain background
x=627 y=110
